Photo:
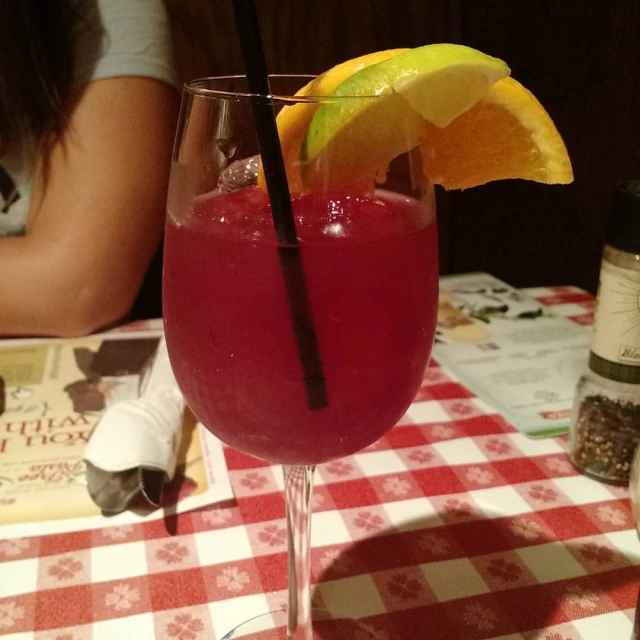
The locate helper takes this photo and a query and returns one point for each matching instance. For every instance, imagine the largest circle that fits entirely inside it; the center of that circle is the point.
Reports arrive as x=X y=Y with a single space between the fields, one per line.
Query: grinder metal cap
x=623 y=231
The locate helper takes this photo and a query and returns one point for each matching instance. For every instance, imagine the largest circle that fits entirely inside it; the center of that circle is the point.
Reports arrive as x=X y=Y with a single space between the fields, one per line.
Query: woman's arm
x=96 y=213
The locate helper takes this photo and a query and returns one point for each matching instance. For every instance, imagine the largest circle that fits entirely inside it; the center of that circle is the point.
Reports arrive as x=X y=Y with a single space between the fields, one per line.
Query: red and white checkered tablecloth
x=453 y=526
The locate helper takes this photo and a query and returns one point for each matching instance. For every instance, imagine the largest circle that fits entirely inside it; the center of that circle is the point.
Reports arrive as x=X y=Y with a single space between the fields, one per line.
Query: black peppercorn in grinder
x=606 y=413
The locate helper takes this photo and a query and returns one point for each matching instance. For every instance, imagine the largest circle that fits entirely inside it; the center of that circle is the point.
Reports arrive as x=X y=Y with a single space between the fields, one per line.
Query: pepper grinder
x=606 y=412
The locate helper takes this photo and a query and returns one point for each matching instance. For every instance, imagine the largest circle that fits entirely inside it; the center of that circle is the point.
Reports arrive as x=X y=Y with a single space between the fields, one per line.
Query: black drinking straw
x=281 y=211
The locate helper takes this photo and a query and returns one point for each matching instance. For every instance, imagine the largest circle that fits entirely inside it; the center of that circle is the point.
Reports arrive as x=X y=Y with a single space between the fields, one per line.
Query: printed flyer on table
x=52 y=394
x=511 y=351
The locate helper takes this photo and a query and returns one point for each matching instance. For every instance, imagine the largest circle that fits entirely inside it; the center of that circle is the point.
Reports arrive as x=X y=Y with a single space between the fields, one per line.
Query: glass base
x=326 y=626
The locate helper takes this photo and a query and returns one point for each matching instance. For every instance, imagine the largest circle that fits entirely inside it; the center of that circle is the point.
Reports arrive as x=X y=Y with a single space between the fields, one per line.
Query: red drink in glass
x=371 y=271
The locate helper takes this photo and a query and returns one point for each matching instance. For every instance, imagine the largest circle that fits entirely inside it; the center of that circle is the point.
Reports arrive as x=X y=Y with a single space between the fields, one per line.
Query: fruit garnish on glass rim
x=472 y=123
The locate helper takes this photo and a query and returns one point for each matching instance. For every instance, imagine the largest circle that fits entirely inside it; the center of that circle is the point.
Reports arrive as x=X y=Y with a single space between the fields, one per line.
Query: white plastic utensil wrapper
x=133 y=449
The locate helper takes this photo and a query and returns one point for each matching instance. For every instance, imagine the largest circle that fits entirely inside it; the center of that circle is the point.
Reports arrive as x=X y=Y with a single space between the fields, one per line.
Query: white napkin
x=135 y=445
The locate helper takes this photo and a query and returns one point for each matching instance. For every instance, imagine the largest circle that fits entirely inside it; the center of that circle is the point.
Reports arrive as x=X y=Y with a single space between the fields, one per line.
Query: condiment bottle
x=606 y=412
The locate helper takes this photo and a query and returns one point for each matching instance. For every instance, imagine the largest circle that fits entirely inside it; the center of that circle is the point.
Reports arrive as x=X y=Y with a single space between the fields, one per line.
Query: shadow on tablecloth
x=475 y=579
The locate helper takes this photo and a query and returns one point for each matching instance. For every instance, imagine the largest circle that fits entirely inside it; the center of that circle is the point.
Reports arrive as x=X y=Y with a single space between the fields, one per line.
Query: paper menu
x=511 y=351
x=52 y=393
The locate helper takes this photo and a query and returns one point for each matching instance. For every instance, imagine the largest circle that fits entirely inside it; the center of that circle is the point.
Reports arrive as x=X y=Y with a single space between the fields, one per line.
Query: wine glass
x=298 y=353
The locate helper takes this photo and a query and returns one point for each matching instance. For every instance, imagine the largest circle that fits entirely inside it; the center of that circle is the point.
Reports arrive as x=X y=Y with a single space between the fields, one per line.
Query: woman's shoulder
x=122 y=38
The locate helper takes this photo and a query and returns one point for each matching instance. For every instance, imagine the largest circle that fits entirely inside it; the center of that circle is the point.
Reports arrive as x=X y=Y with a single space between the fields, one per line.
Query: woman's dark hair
x=36 y=68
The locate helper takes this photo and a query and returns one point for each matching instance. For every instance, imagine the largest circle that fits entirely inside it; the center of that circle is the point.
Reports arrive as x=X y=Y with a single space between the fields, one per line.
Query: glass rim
x=196 y=87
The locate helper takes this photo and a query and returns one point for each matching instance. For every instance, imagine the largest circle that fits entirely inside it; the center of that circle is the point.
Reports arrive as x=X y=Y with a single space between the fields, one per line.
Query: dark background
x=581 y=58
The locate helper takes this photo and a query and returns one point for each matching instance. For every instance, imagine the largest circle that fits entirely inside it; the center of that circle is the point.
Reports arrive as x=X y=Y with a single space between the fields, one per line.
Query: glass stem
x=298 y=487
